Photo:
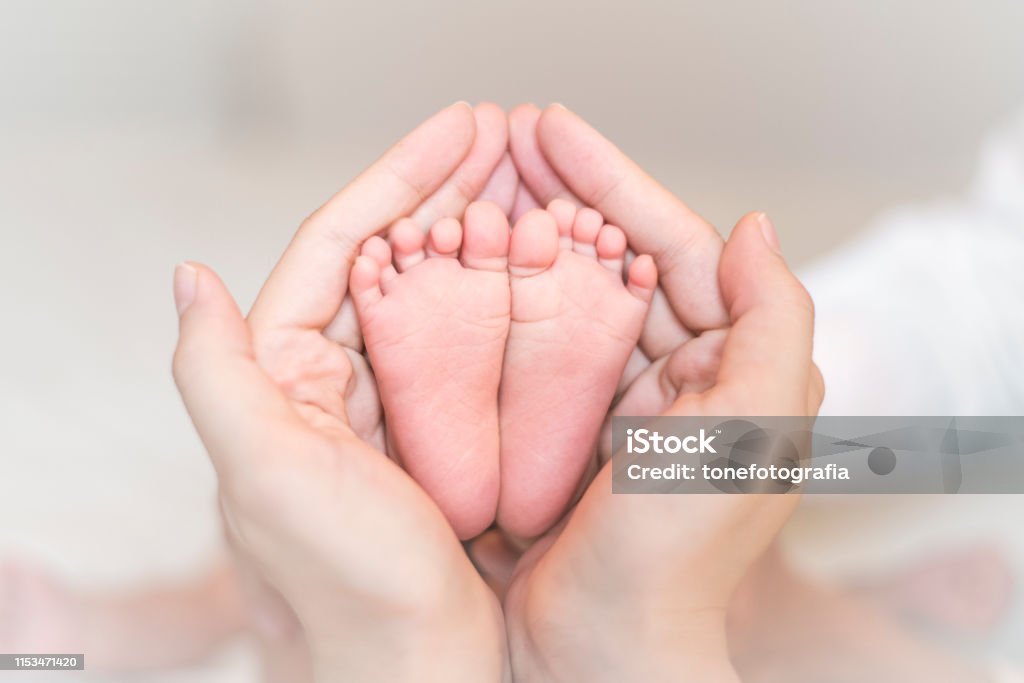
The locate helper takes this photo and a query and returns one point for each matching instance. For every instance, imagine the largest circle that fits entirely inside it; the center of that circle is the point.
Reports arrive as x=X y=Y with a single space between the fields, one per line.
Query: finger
x=684 y=246
x=344 y=328
x=503 y=185
x=232 y=402
x=537 y=174
x=524 y=203
x=766 y=363
x=495 y=558
x=307 y=286
x=693 y=367
x=472 y=175
x=635 y=366
x=662 y=332
x=646 y=394
x=816 y=391
x=408 y=241
x=690 y=369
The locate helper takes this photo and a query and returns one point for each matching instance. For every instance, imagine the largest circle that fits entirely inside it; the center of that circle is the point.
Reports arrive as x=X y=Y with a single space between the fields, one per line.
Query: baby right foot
x=574 y=324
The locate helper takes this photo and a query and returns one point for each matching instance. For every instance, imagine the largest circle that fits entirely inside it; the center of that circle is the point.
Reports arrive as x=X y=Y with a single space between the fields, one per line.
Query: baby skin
x=497 y=355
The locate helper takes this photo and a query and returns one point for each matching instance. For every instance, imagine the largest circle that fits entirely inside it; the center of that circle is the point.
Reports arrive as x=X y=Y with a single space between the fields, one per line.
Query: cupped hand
x=287 y=410
x=559 y=156
x=635 y=587
x=639 y=584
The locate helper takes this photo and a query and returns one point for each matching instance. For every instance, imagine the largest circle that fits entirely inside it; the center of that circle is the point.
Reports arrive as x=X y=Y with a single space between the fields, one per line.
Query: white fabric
x=924 y=314
x=1002 y=672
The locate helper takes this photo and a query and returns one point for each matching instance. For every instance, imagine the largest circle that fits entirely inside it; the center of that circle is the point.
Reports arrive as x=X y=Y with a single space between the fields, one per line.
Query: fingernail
x=184 y=286
x=768 y=230
x=463 y=103
x=559 y=105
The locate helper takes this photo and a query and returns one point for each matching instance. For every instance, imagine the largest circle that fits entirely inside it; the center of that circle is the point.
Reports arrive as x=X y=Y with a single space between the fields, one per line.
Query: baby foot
x=574 y=324
x=435 y=323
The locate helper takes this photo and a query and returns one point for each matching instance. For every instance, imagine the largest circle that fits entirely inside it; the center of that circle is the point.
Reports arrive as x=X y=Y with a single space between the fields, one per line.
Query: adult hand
x=651 y=575
x=303 y=320
x=286 y=408
x=558 y=155
x=636 y=587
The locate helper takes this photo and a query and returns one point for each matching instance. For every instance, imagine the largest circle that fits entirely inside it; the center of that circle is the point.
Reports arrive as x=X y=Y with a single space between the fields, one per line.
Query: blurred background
x=134 y=135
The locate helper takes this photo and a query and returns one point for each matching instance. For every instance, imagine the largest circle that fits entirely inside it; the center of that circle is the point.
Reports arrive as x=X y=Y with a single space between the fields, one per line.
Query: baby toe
x=611 y=248
x=564 y=212
x=377 y=249
x=585 y=230
x=444 y=239
x=407 y=241
x=534 y=244
x=643 y=278
x=485 y=238
x=364 y=283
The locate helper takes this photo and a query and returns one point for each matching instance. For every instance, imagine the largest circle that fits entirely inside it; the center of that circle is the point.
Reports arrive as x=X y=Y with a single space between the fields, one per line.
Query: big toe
x=534 y=244
x=485 y=237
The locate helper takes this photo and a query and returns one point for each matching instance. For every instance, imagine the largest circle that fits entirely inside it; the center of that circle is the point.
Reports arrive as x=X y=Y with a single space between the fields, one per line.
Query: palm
x=613 y=552
x=329 y=383
x=305 y=471
x=341 y=479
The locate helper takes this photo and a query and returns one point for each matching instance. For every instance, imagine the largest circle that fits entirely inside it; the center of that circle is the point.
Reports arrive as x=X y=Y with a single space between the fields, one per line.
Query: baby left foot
x=435 y=331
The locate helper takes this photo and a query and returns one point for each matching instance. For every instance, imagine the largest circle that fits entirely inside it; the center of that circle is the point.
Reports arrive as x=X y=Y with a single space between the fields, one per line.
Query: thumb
x=766 y=361
x=233 y=404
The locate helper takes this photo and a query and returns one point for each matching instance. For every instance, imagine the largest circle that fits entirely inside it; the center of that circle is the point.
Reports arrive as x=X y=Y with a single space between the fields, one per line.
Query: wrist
x=622 y=632
x=460 y=637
